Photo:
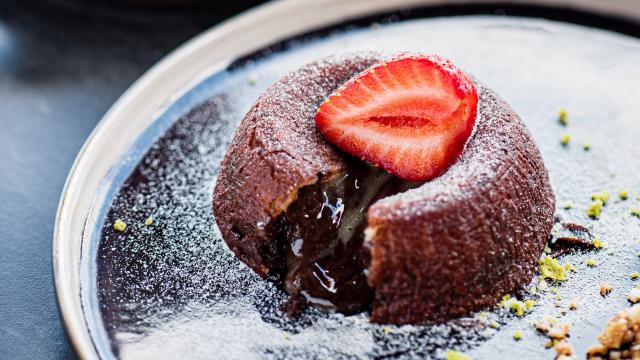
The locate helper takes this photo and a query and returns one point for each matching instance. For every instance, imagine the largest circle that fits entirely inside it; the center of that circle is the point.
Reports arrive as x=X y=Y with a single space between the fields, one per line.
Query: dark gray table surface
x=62 y=64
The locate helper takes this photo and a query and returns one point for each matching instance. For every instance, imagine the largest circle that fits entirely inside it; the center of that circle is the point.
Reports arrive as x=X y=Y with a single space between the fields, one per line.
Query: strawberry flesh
x=410 y=115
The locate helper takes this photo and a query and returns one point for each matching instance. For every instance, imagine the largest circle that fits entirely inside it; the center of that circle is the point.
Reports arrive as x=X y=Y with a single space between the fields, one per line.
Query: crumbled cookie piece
x=620 y=338
x=605 y=289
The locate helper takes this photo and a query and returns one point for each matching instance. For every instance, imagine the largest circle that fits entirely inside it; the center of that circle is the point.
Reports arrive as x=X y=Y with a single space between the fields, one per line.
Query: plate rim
x=171 y=77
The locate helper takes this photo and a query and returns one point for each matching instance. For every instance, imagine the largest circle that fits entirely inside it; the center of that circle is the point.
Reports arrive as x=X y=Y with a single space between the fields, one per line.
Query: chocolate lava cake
x=342 y=234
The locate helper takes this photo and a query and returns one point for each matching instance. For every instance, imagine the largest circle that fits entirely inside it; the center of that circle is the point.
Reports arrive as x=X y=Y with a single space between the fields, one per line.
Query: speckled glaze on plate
x=173 y=288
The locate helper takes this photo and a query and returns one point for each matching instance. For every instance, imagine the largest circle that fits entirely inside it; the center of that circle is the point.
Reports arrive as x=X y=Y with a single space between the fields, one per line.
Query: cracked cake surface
x=440 y=250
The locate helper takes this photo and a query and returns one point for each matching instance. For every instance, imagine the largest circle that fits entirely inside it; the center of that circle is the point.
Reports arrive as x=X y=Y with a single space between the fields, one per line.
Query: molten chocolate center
x=326 y=259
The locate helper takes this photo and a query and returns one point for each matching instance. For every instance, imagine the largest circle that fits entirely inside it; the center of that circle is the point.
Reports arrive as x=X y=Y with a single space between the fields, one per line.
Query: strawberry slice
x=410 y=115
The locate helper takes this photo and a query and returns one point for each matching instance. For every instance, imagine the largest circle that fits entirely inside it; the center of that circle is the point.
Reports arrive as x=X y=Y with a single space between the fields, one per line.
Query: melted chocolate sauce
x=327 y=259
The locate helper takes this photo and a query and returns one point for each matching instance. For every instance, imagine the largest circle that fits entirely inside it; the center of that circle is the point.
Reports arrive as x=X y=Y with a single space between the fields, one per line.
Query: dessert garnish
x=119 y=225
x=620 y=338
x=410 y=115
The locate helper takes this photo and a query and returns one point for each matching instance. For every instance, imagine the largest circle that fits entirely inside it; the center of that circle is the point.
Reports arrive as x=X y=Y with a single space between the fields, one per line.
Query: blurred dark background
x=62 y=64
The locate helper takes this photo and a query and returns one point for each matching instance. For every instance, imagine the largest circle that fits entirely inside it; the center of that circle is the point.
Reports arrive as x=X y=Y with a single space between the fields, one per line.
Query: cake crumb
x=605 y=289
x=620 y=336
x=573 y=305
x=634 y=295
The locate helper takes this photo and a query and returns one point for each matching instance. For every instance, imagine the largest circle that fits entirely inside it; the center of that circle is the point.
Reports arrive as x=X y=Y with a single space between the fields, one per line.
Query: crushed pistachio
x=456 y=355
x=516 y=306
x=494 y=324
x=252 y=79
x=558 y=297
x=570 y=267
x=624 y=194
x=387 y=330
x=602 y=196
x=553 y=290
x=586 y=147
x=529 y=304
x=597 y=243
x=517 y=336
x=547 y=250
x=119 y=225
x=591 y=262
x=565 y=139
x=594 y=209
x=634 y=275
x=605 y=289
x=638 y=254
x=149 y=221
x=634 y=295
x=563 y=117
x=635 y=212
x=550 y=268
x=568 y=205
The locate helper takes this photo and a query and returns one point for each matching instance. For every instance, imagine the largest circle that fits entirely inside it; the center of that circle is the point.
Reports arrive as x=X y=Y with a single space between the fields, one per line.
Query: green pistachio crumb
x=563 y=117
x=624 y=194
x=550 y=268
x=570 y=267
x=602 y=196
x=594 y=209
x=494 y=324
x=149 y=221
x=517 y=336
x=553 y=290
x=119 y=225
x=565 y=139
x=568 y=205
x=638 y=254
x=635 y=212
x=456 y=355
x=597 y=243
x=635 y=275
x=387 y=330
x=558 y=297
x=529 y=304
x=252 y=79
x=547 y=250
x=591 y=262
x=586 y=147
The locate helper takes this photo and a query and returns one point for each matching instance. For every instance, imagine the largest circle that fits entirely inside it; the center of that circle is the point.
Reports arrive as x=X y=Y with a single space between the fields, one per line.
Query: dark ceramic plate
x=173 y=289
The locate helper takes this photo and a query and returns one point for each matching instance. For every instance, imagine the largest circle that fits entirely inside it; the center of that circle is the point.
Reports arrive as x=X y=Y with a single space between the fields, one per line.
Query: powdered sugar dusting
x=173 y=288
